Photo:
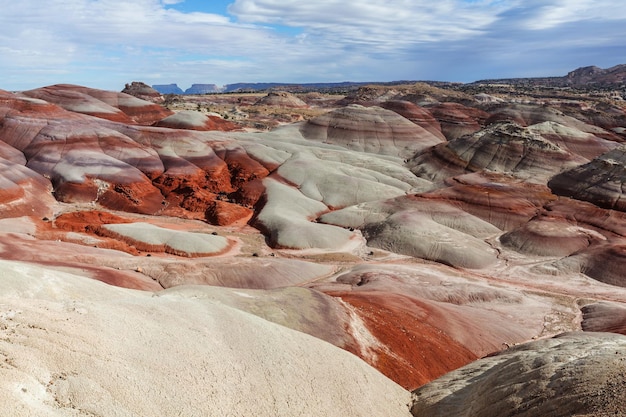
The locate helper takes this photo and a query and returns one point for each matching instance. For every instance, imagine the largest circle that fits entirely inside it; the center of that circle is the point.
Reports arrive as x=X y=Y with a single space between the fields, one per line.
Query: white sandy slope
x=173 y=241
x=72 y=346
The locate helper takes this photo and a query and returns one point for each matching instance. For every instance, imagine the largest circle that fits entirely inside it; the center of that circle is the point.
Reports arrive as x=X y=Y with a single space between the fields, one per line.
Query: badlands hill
x=312 y=254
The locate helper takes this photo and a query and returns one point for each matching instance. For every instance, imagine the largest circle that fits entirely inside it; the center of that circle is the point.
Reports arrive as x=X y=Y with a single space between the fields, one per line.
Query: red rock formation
x=604 y=317
x=457 y=120
x=143 y=91
x=498 y=199
x=193 y=120
x=108 y=105
x=414 y=351
x=504 y=147
x=370 y=129
x=600 y=181
x=562 y=114
x=23 y=191
x=86 y=221
x=223 y=213
x=418 y=115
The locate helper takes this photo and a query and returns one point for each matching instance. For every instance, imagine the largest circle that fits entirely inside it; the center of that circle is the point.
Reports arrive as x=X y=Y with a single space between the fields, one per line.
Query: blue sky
x=107 y=43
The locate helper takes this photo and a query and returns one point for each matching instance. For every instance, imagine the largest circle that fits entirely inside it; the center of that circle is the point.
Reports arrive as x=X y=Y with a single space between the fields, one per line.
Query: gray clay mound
x=575 y=374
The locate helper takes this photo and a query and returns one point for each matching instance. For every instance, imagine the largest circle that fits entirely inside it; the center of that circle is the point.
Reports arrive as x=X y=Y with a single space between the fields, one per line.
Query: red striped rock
x=193 y=120
x=109 y=105
x=370 y=129
x=599 y=181
x=505 y=148
x=417 y=114
x=457 y=120
x=604 y=317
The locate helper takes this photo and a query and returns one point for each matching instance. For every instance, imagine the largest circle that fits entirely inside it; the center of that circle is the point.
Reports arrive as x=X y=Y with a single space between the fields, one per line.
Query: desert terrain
x=410 y=249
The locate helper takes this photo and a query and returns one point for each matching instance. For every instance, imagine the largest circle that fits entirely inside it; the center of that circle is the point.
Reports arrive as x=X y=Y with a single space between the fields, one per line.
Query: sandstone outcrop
x=143 y=91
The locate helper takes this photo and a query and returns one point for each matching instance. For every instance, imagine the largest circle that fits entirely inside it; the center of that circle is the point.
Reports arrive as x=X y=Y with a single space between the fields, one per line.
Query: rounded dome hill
x=281 y=99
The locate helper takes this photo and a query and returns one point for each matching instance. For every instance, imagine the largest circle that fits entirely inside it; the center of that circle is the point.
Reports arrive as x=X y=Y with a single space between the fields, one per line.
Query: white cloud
x=551 y=14
x=105 y=43
x=376 y=21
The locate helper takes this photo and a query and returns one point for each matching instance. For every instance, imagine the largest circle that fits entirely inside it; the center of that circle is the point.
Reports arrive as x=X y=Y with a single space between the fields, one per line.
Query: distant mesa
x=255 y=87
x=203 y=89
x=168 y=89
x=369 y=93
x=596 y=75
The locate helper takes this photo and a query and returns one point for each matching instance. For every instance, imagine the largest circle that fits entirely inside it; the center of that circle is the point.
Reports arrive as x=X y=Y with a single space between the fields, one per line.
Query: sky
x=107 y=43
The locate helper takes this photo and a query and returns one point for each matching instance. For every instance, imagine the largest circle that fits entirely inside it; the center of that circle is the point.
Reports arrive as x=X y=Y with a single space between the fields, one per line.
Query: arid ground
x=420 y=250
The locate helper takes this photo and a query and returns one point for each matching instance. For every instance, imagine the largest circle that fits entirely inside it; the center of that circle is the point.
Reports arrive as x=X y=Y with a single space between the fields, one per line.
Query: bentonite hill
x=393 y=251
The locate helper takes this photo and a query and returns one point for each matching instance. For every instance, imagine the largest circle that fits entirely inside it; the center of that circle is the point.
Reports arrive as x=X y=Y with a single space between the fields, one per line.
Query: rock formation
x=143 y=92
x=105 y=104
x=64 y=354
x=599 y=181
x=370 y=129
x=571 y=375
x=457 y=120
x=503 y=147
x=193 y=120
x=201 y=89
x=281 y=99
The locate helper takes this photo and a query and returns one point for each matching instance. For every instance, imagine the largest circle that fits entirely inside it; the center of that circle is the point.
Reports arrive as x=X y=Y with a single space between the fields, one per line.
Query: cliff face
x=168 y=89
x=203 y=89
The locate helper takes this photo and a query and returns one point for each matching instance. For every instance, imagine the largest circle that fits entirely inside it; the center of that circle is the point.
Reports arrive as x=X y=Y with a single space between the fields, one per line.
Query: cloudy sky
x=107 y=43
